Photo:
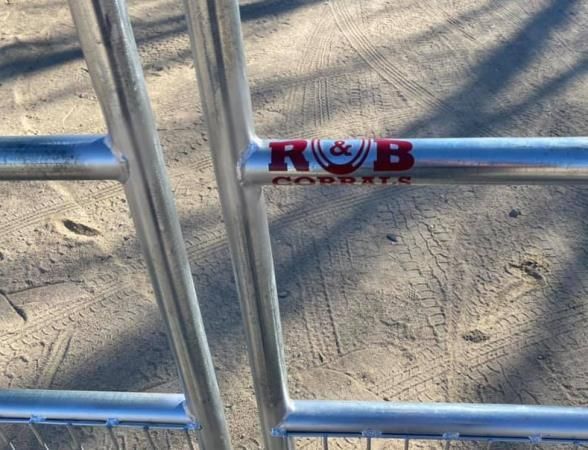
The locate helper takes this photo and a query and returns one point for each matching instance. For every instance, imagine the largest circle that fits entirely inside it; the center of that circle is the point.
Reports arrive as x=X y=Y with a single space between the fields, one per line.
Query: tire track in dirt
x=316 y=57
x=410 y=378
x=320 y=319
x=319 y=314
x=313 y=77
x=516 y=289
x=388 y=70
x=316 y=338
x=57 y=352
x=406 y=380
x=441 y=315
x=63 y=314
x=39 y=214
x=111 y=285
x=370 y=195
x=293 y=99
x=460 y=22
x=490 y=357
x=321 y=98
x=372 y=57
x=102 y=288
x=458 y=25
x=321 y=109
x=451 y=306
x=314 y=60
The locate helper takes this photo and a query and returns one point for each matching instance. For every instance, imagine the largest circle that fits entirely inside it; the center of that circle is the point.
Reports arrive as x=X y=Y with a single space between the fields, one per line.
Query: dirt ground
x=400 y=293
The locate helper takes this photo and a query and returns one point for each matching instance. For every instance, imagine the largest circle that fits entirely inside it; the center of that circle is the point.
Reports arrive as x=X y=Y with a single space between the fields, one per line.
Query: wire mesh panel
x=54 y=436
x=447 y=443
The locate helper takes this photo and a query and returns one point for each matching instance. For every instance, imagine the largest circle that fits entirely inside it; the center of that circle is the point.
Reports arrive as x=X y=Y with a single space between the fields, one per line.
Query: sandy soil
x=404 y=293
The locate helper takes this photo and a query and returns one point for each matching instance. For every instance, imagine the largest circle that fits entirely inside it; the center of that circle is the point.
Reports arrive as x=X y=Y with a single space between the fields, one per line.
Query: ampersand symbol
x=339 y=148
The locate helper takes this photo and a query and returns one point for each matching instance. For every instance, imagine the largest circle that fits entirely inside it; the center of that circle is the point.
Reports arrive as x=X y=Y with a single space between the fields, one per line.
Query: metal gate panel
x=131 y=154
x=243 y=163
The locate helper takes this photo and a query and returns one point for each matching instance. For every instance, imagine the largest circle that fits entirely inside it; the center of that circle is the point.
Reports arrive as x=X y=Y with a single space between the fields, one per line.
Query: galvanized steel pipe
x=299 y=162
x=215 y=34
x=113 y=61
x=59 y=158
x=92 y=407
x=435 y=420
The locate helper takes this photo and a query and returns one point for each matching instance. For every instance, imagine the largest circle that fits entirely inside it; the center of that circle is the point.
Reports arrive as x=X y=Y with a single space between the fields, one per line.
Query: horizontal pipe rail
x=59 y=158
x=435 y=421
x=93 y=408
x=299 y=162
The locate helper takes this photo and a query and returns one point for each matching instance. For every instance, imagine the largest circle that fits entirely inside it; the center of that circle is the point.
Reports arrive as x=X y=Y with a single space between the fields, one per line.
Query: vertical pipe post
x=111 y=54
x=215 y=34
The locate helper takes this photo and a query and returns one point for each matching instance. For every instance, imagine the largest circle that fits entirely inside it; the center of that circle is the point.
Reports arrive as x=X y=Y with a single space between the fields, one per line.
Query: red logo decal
x=340 y=157
x=294 y=150
x=305 y=180
x=339 y=148
x=393 y=155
